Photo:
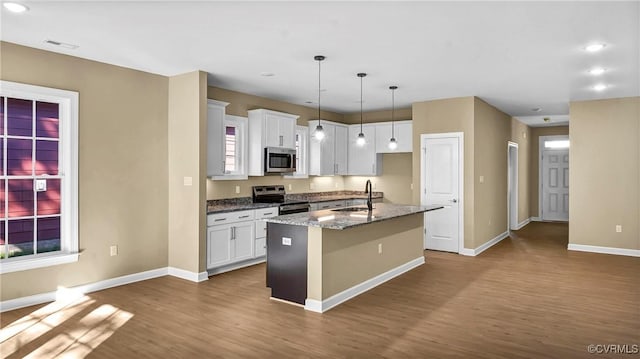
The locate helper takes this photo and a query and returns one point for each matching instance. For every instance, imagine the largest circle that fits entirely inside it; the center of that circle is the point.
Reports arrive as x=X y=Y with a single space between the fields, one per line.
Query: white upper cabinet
x=402 y=131
x=329 y=156
x=215 y=136
x=268 y=128
x=363 y=160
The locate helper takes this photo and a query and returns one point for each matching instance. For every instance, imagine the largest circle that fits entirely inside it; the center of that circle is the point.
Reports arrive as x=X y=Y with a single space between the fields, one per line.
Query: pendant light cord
x=319 y=62
x=361 y=103
x=393 y=103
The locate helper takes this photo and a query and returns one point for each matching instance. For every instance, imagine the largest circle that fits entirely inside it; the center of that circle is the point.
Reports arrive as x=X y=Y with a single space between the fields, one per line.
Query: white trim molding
x=322 y=306
x=22 y=302
x=35 y=299
x=483 y=247
x=523 y=223
x=604 y=250
x=187 y=275
x=536 y=219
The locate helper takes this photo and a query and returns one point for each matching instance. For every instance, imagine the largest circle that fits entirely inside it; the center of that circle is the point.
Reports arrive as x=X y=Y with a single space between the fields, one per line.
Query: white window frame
x=242 y=147
x=302 y=170
x=68 y=130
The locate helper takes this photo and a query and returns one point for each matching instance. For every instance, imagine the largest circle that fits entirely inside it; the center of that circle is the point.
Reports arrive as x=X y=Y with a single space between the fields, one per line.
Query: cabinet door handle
x=219 y=219
x=247 y=216
x=233 y=233
x=267 y=214
x=281 y=140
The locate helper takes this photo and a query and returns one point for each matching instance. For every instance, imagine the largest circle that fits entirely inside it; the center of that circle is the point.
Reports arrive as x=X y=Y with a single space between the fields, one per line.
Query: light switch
x=618 y=228
x=188 y=181
x=481 y=179
x=237 y=189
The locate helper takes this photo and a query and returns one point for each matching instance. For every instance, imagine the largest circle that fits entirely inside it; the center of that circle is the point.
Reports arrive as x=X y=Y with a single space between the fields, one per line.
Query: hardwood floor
x=526 y=297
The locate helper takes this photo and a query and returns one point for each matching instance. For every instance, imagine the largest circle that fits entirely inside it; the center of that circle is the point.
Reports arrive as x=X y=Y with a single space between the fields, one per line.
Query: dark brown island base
x=322 y=258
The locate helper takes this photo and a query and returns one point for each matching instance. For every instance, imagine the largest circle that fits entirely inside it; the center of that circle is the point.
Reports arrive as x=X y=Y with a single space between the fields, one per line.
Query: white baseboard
x=523 y=223
x=536 y=219
x=484 y=246
x=185 y=274
x=604 y=250
x=82 y=289
x=322 y=306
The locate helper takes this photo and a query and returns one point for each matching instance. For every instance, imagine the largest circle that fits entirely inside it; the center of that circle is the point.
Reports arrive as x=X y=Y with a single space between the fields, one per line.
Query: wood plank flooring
x=526 y=297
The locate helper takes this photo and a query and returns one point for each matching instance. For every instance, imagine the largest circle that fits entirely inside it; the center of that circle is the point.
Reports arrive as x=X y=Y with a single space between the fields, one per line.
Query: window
x=38 y=176
x=556 y=144
x=235 y=148
x=302 y=136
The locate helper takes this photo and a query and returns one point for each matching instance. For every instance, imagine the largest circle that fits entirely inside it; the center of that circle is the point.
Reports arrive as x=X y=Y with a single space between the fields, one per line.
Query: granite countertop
x=344 y=220
x=246 y=203
x=235 y=204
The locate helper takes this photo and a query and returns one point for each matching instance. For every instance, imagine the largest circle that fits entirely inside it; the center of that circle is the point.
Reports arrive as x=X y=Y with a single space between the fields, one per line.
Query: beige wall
x=492 y=131
x=378 y=116
x=401 y=239
x=395 y=181
x=521 y=134
x=534 y=170
x=187 y=152
x=122 y=167
x=604 y=173
x=447 y=115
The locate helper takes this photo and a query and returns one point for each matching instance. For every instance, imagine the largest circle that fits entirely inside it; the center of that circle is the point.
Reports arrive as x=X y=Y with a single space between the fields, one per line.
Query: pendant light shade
x=361 y=141
x=319 y=132
x=393 y=144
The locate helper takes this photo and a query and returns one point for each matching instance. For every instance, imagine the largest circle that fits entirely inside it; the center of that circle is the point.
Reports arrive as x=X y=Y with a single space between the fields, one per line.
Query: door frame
x=541 y=140
x=423 y=153
x=512 y=187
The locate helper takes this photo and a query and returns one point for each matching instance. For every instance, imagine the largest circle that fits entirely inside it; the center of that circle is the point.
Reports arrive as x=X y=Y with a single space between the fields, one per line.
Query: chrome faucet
x=369 y=190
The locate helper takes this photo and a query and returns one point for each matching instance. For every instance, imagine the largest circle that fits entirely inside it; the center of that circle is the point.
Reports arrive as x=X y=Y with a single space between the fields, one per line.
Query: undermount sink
x=350 y=209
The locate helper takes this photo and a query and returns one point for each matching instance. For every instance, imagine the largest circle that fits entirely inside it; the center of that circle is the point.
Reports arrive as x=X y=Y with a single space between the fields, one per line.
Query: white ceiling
x=514 y=55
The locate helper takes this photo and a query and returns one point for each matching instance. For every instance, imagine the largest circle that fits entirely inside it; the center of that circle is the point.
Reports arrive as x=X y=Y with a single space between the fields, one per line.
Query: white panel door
x=441 y=176
x=555 y=185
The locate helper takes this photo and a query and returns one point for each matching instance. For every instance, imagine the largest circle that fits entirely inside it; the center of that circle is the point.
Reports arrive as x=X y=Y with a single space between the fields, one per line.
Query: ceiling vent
x=61 y=44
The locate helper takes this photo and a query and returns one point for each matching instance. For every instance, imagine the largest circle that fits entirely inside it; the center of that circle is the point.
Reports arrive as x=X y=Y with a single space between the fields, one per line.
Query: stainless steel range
x=276 y=194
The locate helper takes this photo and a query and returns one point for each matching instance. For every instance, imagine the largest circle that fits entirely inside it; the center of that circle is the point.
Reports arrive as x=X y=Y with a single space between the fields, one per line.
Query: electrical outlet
x=335 y=185
x=412 y=186
x=113 y=250
x=290 y=186
x=187 y=181
x=237 y=189
x=379 y=248
x=618 y=228
x=481 y=179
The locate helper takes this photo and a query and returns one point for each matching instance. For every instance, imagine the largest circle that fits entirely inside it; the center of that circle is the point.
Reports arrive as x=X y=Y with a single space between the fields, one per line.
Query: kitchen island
x=322 y=258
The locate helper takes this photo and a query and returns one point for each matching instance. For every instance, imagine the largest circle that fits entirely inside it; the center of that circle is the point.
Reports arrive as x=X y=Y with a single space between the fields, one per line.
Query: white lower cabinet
x=229 y=243
x=236 y=237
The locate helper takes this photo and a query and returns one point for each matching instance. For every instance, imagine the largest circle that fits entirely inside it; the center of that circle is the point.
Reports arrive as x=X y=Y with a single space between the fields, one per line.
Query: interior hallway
x=526 y=297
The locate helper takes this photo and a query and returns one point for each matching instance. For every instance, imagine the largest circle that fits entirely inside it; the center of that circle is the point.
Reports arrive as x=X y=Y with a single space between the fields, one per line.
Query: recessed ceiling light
x=595 y=47
x=600 y=87
x=15 y=7
x=536 y=109
x=597 y=71
x=267 y=74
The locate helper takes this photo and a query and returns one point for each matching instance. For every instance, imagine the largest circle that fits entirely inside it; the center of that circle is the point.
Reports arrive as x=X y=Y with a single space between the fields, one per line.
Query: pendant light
x=392 y=141
x=319 y=133
x=361 y=140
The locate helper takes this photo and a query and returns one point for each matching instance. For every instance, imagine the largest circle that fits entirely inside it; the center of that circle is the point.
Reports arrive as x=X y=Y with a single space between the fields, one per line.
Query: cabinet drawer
x=330 y=204
x=266 y=212
x=230 y=217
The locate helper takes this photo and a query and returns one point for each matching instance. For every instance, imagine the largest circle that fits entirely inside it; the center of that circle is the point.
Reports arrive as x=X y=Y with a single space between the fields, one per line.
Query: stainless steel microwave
x=279 y=160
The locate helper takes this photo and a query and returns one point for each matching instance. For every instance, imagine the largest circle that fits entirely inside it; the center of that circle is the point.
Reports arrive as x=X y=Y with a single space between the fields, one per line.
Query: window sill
x=20 y=264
